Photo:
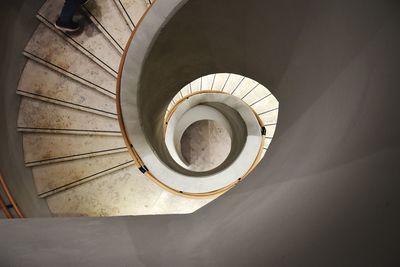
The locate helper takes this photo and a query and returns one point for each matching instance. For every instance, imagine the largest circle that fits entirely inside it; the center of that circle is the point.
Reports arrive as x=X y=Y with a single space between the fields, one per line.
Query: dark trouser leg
x=68 y=11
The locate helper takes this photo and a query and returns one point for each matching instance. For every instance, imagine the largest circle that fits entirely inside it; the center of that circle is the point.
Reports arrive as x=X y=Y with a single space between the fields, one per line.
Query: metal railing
x=8 y=205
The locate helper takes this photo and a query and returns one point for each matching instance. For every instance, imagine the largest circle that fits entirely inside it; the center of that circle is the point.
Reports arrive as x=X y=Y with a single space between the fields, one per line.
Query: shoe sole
x=66 y=29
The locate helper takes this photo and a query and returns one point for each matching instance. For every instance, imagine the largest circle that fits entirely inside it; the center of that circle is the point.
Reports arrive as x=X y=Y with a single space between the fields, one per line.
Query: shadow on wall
x=17 y=24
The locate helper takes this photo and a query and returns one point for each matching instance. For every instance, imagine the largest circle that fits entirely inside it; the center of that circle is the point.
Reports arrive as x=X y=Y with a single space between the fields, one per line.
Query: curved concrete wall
x=17 y=23
x=327 y=193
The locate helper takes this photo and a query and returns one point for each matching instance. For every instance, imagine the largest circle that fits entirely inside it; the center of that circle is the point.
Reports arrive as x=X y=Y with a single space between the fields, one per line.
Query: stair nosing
x=78 y=46
x=68 y=74
x=75 y=157
x=66 y=104
x=85 y=179
x=67 y=131
x=125 y=14
x=103 y=30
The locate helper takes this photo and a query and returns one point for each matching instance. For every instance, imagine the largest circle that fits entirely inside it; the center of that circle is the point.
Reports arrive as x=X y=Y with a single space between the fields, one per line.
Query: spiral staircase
x=81 y=160
x=326 y=192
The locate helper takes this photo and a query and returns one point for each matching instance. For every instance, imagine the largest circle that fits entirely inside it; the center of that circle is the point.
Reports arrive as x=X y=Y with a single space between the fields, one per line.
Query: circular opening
x=205 y=145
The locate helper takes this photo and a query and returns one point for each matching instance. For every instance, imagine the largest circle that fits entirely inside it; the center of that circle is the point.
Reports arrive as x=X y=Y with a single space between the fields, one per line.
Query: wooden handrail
x=10 y=198
x=3 y=206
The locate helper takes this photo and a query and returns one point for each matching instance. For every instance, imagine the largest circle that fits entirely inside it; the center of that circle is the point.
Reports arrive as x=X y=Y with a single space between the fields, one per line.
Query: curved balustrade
x=157 y=154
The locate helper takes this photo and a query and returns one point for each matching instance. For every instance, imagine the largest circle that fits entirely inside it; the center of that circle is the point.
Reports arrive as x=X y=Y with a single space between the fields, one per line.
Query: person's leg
x=68 y=11
x=64 y=21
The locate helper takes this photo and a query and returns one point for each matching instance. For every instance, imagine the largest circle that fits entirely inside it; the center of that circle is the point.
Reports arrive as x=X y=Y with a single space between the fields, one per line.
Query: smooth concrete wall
x=17 y=23
x=327 y=192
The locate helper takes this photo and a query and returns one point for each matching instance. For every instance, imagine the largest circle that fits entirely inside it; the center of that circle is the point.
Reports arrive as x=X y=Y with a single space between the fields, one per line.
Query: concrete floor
x=205 y=145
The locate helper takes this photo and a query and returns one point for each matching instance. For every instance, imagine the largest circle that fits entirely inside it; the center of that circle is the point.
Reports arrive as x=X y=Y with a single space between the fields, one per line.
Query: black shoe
x=67 y=27
x=84 y=2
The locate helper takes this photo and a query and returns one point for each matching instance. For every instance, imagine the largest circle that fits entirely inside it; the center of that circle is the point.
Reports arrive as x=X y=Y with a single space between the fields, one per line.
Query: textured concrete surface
x=50 y=47
x=327 y=193
x=38 y=80
x=46 y=147
x=43 y=115
x=132 y=10
x=205 y=145
x=108 y=18
x=125 y=192
x=53 y=176
x=89 y=39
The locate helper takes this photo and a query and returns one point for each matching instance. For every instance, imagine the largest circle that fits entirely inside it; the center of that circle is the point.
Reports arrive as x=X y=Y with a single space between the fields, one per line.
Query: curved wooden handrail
x=10 y=198
x=133 y=153
x=138 y=161
x=3 y=206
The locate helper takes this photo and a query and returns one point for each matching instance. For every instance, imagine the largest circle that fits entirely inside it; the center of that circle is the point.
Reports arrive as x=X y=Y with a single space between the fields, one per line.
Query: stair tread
x=43 y=115
x=132 y=10
x=39 y=80
x=124 y=192
x=90 y=40
x=49 y=47
x=262 y=103
x=270 y=130
x=53 y=178
x=219 y=81
x=207 y=82
x=109 y=20
x=254 y=94
x=270 y=117
x=40 y=147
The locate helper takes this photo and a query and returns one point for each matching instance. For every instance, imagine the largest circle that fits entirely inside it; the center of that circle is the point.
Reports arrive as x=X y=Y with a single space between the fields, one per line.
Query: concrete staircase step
x=207 y=82
x=132 y=10
x=89 y=40
x=243 y=87
x=124 y=192
x=48 y=48
x=270 y=116
x=267 y=142
x=46 y=148
x=54 y=178
x=39 y=116
x=251 y=92
x=220 y=81
x=233 y=81
x=108 y=19
x=40 y=82
x=261 y=102
x=196 y=85
x=270 y=130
